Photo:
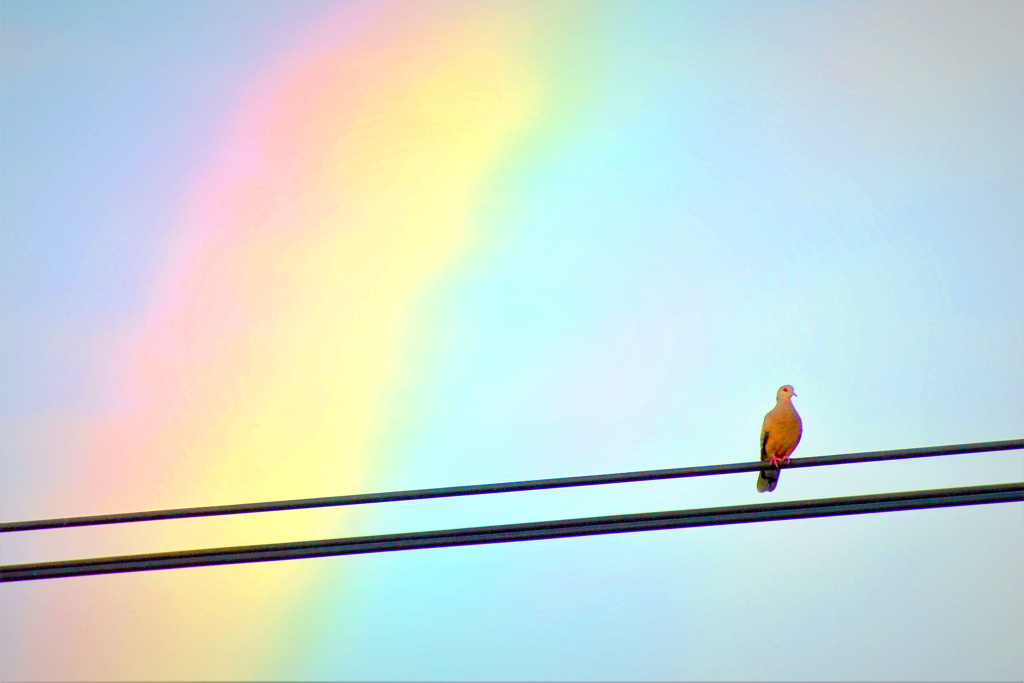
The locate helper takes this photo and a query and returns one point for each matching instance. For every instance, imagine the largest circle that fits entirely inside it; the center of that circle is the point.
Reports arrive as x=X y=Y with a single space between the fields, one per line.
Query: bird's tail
x=767 y=480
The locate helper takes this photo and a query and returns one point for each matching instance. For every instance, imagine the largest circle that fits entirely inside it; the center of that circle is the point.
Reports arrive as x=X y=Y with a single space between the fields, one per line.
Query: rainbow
x=353 y=181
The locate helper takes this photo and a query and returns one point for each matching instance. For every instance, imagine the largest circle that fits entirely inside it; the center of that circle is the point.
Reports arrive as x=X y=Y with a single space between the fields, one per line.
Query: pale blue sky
x=759 y=193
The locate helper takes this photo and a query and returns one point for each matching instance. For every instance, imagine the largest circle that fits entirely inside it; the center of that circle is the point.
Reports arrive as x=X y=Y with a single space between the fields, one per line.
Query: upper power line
x=505 y=487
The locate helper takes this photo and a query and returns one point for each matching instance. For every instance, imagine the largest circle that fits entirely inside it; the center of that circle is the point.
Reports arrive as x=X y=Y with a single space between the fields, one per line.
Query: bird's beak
x=795 y=394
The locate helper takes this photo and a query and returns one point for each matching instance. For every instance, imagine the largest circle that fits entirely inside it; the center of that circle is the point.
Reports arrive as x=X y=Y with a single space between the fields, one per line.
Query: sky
x=281 y=249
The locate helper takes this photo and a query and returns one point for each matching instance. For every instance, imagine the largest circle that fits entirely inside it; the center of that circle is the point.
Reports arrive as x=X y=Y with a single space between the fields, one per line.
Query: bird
x=780 y=433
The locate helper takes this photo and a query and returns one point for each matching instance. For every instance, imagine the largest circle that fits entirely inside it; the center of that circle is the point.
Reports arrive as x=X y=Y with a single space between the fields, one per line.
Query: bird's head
x=785 y=392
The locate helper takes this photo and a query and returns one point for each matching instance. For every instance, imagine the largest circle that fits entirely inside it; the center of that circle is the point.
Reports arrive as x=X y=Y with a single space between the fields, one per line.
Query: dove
x=780 y=433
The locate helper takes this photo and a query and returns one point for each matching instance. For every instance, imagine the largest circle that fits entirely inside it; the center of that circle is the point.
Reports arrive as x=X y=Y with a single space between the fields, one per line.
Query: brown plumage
x=780 y=433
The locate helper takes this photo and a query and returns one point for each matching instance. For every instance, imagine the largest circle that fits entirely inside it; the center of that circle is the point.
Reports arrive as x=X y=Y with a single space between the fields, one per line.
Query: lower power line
x=508 y=533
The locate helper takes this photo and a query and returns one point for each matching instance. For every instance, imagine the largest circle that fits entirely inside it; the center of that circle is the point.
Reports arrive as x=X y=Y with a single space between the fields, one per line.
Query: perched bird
x=780 y=433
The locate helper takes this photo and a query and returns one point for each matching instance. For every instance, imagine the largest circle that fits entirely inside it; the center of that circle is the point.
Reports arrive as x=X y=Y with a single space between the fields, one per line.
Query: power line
x=506 y=487
x=508 y=533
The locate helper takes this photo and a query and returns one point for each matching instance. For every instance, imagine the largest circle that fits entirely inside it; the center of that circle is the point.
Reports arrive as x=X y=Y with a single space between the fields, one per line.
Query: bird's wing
x=767 y=427
x=767 y=480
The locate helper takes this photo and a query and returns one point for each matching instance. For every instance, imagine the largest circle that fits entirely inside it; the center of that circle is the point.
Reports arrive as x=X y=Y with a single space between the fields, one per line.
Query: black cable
x=507 y=533
x=529 y=485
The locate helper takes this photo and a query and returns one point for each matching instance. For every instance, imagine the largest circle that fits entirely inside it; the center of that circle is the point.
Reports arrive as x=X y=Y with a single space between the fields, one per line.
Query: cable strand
x=507 y=487
x=678 y=519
